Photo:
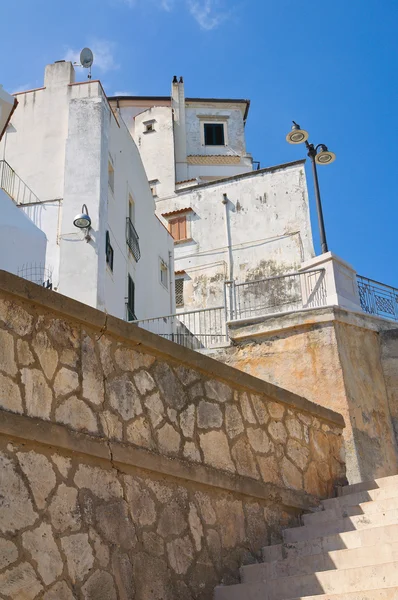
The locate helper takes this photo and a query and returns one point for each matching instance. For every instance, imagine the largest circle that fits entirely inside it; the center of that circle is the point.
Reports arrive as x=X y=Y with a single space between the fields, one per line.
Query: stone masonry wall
x=133 y=468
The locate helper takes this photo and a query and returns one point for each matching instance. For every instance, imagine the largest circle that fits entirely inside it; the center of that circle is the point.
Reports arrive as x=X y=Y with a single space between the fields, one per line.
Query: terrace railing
x=377 y=298
x=13 y=185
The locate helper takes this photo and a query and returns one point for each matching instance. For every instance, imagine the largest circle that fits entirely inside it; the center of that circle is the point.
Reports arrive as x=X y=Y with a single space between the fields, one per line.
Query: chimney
x=180 y=136
x=59 y=73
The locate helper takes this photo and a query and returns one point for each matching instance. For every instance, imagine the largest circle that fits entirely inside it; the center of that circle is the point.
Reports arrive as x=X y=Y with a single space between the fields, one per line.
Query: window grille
x=130 y=300
x=179 y=291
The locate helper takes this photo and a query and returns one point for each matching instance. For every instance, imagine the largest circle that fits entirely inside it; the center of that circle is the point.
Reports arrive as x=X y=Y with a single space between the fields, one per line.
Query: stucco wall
x=332 y=357
x=130 y=463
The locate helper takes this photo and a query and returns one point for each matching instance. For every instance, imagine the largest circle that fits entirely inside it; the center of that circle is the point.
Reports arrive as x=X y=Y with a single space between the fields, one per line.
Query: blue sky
x=331 y=66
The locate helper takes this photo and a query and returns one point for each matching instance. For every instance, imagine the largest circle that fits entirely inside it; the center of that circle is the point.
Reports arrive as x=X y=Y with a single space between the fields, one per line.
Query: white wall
x=21 y=242
x=270 y=230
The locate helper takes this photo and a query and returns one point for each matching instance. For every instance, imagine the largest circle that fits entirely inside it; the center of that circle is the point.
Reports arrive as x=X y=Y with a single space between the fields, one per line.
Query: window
x=109 y=251
x=164 y=274
x=178 y=228
x=131 y=209
x=179 y=290
x=214 y=134
x=130 y=300
x=152 y=184
x=111 y=177
x=149 y=126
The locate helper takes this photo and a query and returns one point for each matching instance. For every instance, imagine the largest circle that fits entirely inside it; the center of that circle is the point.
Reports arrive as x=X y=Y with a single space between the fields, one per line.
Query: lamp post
x=319 y=155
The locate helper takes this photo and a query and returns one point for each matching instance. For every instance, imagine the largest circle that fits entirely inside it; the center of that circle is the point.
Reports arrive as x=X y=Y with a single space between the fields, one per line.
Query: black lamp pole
x=321 y=224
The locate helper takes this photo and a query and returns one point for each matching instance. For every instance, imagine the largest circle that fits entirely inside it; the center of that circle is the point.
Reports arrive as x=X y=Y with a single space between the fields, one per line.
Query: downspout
x=172 y=287
x=230 y=256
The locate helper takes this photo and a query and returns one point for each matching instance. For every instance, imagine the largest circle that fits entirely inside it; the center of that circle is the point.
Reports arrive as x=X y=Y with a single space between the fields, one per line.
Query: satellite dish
x=86 y=58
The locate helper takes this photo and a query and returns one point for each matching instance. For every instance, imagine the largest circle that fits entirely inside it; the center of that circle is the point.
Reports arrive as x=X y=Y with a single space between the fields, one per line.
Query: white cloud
x=103 y=51
x=204 y=13
x=123 y=93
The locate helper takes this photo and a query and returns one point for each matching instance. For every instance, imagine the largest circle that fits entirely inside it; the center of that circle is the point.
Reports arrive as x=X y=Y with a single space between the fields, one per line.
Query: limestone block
x=180 y=553
x=313 y=483
x=172 y=414
x=191 y=452
x=172 y=391
x=99 y=586
x=10 y=396
x=270 y=469
x=8 y=553
x=64 y=509
x=244 y=460
x=40 y=475
x=7 y=355
x=63 y=464
x=259 y=440
x=101 y=550
x=153 y=543
x=214 y=545
x=206 y=508
x=144 y=382
x=20 y=583
x=155 y=408
x=169 y=439
x=187 y=421
x=43 y=549
x=111 y=426
x=299 y=454
x=115 y=525
x=122 y=572
x=16 y=507
x=38 y=395
x=172 y=521
x=324 y=471
x=142 y=507
x=319 y=444
x=256 y=525
x=139 y=433
x=277 y=411
x=63 y=334
x=79 y=555
x=305 y=418
x=214 y=445
x=152 y=577
x=25 y=357
x=123 y=397
x=59 y=591
x=163 y=493
x=260 y=409
x=100 y=482
x=93 y=380
x=291 y=476
x=247 y=411
x=77 y=414
x=294 y=428
x=233 y=421
x=105 y=353
x=277 y=431
x=186 y=375
x=217 y=390
x=130 y=360
x=15 y=317
x=46 y=353
x=66 y=381
x=209 y=415
x=231 y=521
x=196 y=391
x=195 y=526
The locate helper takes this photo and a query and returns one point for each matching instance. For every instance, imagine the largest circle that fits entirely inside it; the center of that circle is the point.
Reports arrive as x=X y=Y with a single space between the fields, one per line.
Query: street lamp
x=319 y=155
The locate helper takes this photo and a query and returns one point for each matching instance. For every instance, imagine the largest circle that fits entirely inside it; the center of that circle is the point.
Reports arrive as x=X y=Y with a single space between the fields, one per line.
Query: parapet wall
x=132 y=464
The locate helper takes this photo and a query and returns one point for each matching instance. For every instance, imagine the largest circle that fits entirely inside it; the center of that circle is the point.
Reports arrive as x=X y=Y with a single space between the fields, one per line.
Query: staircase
x=346 y=551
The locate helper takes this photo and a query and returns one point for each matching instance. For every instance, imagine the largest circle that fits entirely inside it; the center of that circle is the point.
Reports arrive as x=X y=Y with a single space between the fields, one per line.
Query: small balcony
x=15 y=187
x=132 y=239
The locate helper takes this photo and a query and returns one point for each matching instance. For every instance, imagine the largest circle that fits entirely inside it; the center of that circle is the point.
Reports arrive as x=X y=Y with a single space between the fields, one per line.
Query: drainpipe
x=172 y=287
x=230 y=256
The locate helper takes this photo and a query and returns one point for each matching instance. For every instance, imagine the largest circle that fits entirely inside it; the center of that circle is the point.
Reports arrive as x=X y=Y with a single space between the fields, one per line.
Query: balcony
x=132 y=239
x=13 y=185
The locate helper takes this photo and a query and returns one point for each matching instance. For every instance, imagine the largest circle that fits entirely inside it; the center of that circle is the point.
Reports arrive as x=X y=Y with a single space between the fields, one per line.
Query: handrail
x=378 y=298
x=14 y=186
x=181 y=314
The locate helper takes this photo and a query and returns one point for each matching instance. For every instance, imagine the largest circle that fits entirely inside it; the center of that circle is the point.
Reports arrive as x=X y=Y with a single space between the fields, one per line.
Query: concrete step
x=385 y=594
x=360 y=497
x=339 y=512
x=358 y=522
x=305 y=565
x=369 y=485
x=324 y=582
x=376 y=536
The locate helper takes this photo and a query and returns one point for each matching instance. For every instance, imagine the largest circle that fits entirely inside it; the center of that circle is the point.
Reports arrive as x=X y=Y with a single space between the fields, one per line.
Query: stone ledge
x=26 y=291
x=58 y=436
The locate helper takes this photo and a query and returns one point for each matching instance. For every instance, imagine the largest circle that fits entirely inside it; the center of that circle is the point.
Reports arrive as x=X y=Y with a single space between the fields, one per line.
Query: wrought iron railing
x=196 y=329
x=36 y=273
x=284 y=293
x=132 y=239
x=377 y=298
x=13 y=185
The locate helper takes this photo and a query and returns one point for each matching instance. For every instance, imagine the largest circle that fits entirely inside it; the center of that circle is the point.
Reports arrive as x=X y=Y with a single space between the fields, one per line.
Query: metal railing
x=132 y=239
x=36 y=273
x=285 y=293
x=377 y=298
x=130 y=315
x=196 y=329
x=13 y=185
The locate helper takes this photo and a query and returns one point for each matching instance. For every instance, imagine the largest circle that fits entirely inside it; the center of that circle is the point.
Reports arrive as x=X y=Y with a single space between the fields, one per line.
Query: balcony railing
x=377 y=298
x=132 y=239
x=13 y=185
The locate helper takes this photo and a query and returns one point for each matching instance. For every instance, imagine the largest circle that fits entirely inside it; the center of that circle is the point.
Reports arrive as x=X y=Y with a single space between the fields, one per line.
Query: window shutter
x=183 y=228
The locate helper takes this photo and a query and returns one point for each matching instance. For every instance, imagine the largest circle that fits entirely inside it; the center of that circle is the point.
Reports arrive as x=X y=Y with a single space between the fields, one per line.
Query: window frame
x=179 y=220
x=163 y=268
x=130 y=304
x=206 y=127
x=214 y=120
x=109 y=253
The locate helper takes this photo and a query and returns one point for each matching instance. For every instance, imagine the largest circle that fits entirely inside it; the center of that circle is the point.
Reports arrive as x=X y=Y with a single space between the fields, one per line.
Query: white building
x=70 y=147
x=228 y=221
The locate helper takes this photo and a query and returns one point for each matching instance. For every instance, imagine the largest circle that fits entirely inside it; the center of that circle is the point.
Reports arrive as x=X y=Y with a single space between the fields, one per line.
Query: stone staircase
x=346 y=551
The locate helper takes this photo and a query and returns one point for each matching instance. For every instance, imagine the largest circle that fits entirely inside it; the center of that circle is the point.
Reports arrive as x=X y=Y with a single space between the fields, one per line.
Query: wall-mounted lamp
x=83 y=221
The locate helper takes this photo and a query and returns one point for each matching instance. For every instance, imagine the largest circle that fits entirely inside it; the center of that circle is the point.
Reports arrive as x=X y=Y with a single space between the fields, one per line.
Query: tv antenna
x=86 y=60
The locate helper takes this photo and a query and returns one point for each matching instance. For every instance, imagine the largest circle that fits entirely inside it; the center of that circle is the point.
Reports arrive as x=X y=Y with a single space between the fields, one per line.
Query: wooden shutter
x=182 y=222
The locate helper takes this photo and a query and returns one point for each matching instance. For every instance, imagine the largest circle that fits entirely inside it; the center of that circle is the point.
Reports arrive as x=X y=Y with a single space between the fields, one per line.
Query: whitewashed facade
x=67 y=144
x=229 y=221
